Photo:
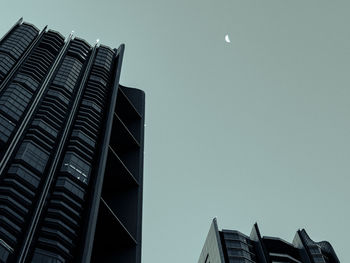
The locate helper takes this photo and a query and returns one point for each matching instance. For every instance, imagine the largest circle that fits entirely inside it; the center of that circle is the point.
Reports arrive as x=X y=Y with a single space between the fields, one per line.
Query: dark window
x=32 y=155
x=6 y=128
x=24 y=175
x=71 y=187
x=29 y=82
x=45 y=127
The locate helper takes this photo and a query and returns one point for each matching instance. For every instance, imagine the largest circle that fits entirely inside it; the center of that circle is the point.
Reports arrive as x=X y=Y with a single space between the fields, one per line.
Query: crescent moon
x=227 y=39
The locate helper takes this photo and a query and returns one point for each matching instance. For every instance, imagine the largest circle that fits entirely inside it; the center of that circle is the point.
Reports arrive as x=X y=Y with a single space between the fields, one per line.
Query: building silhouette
x=71 y=151
x=230 y=246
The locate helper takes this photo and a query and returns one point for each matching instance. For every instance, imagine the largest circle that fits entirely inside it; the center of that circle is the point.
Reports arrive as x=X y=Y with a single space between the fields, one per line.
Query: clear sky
x=255 y=130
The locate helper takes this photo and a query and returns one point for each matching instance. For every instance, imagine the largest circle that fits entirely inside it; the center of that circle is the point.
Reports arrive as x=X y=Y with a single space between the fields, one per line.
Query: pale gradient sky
x=256 y=130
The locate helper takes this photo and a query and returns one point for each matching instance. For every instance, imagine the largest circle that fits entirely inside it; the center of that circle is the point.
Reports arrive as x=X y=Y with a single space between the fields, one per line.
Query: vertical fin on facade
x=31 y=80
x=212 y=250
x=27 y=155
x=261 y=251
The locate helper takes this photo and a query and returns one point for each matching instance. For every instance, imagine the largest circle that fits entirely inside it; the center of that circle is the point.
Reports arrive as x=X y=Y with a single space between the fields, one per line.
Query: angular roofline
x=324 y=245
x=31 y=25
x=83 y=41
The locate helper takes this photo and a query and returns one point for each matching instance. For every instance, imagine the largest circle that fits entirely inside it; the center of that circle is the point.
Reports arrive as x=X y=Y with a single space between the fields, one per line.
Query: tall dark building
x=71 y=151
x=230 y=246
